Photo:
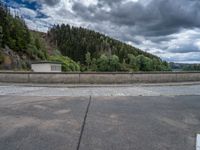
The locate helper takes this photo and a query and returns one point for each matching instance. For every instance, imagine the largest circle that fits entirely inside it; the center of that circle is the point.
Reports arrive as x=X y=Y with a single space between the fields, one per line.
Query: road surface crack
x=84 y=122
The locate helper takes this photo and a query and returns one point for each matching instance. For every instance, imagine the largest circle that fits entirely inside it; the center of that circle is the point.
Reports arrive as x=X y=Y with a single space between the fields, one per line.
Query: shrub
x=68 y=65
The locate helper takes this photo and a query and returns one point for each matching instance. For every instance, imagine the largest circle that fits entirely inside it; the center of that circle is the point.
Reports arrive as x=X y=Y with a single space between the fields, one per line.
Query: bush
x=68 y=65
x=1 y=58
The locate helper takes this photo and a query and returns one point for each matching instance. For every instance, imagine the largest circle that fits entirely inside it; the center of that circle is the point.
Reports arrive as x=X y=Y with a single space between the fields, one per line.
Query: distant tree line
x=192 y=67
x=184 y=67
x=133 y=63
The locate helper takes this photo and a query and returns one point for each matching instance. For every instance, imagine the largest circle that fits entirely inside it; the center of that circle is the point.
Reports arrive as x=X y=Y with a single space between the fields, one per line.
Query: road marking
x=198 y=142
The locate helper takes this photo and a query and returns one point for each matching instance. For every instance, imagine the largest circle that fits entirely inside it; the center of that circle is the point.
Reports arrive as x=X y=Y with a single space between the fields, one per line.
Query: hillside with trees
x=97 y=52
x=16 y=35
x=18 y=46
x=78 y=49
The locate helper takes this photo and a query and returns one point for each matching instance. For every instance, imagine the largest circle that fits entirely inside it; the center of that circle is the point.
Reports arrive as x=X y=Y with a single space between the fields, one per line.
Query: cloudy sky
x=167 y=28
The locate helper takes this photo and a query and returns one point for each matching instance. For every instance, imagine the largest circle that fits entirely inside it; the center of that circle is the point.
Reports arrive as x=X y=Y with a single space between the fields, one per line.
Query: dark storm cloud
x=185 y=48
x=159 y=39
x=109 y=2
x=50 y=2
x=158 y=17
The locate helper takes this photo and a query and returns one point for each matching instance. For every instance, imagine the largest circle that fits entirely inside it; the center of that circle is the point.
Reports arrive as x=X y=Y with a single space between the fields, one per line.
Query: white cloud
x=28 y=12
x=88 y=2
x=178 y=45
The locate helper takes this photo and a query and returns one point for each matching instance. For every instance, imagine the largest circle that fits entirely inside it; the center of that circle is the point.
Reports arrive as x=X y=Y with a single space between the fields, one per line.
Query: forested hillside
x=16 y=35
x=101 y=53
x=78 y=49
x=18 y=45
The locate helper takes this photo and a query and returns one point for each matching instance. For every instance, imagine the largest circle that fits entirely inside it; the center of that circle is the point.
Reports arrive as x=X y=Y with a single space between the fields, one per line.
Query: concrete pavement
x=41 y=124
x=155 y=118
x=171 y=89
x=142 y=123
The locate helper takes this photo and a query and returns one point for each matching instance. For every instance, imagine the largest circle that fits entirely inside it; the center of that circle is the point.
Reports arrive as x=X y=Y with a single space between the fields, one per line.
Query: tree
x=124 y=66
x=166 y=66
x=103 y=63
x=94 y=64
x=1 y=58
x=114 y=63
x=155 y=64
x=37 y=44
x=144 y=63
x=1 y=35
x=88 y=60
x=133 y=62
x=140 y=62
x=148 y=64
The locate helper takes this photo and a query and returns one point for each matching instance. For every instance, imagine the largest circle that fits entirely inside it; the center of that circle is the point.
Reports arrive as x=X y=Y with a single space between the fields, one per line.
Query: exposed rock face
x=12 y=60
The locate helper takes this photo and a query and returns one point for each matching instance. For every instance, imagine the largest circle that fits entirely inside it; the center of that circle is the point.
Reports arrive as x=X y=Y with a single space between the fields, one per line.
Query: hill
x=97 y=52
x=78 y=49
x=18 y=46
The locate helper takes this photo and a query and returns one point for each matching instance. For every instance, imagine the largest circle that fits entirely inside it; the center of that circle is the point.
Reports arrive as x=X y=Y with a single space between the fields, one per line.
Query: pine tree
x=88 y=60
x=1 y=36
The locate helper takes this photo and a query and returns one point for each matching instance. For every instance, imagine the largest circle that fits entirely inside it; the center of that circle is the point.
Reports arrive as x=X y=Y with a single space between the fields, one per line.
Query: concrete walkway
x=169 y=89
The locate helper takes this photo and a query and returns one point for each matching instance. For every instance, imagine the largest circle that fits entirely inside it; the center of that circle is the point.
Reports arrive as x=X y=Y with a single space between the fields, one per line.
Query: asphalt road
x=141 y=122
